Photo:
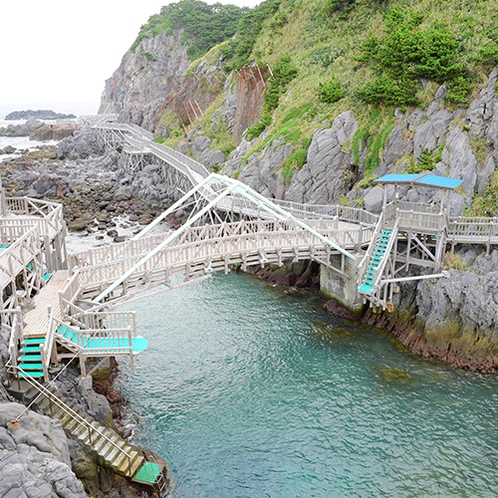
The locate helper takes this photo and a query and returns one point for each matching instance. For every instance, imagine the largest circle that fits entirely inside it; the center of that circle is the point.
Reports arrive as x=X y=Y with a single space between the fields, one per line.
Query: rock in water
x=40 y=114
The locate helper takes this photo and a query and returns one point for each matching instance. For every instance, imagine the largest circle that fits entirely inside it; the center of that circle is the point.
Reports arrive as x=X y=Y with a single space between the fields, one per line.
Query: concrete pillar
x=343 y=288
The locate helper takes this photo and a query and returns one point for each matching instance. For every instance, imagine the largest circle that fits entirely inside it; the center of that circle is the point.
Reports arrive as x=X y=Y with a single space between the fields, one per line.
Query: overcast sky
x=63 y=51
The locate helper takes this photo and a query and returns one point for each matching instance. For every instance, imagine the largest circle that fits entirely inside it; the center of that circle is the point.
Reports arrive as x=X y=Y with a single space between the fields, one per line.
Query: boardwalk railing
x=422 y=222
x=210 y=248
x=55 y=401
x=326 y=211
x=476 y=230
x=46 y=215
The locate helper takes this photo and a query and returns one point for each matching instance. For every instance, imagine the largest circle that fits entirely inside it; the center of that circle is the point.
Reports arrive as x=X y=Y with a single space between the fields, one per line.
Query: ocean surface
x=246 y=391
x=22 y=143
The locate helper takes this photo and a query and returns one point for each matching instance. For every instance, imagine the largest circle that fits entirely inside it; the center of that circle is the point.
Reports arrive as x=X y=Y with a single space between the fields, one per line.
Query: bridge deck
x=36 y=320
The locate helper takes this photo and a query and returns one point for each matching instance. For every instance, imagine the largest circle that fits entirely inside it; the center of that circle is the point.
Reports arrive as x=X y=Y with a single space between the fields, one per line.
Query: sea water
x=23 y=143
x=247 y=391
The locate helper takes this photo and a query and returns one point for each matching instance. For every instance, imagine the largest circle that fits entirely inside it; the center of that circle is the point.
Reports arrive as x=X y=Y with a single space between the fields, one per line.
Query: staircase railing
x=362 y=267
x=53 y=398
x=382 y=263
x=46 y=349
x=16 y=333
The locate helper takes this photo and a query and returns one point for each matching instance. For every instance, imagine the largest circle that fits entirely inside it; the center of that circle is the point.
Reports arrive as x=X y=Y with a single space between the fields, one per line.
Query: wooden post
x=3 y=203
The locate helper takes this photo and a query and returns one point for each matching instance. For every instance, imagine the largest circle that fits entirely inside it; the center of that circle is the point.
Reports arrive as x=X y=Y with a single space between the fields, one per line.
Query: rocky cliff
x=313 y=139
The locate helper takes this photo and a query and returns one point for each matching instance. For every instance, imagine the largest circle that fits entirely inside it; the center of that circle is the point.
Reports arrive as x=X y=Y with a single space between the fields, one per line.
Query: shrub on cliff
x=204 y=26
x=407 y=52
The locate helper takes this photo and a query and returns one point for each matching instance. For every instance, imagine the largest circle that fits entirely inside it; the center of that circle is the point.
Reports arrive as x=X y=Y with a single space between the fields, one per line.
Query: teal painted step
x=36 y=374
x=30 y=357
x=366 y=288
x=34 y=340
x=31 y=366
x=148 y=473
x=30 y=349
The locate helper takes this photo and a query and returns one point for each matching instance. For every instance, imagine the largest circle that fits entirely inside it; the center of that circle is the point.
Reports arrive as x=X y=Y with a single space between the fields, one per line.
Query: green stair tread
x=365 y=288
x=31 y=374
x=148 y=473
x=31 y=366
x=30 y=357
x=30 y=349
x=34 y=340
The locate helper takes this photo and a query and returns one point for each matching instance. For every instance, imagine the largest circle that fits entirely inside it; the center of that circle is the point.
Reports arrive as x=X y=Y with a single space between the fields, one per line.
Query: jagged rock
x=398 y=145
x=482 y=111
x=20 y=130
x=146 y=79
x=34 y=456
x=213 y=158
x=460 y=160
x=53 y=132
x=374 y=199
x=80 y=145
x=322 y=179
x=33 y=124
x=431 y=133
x=8 y=150
x=200 y=146
x=261 y=172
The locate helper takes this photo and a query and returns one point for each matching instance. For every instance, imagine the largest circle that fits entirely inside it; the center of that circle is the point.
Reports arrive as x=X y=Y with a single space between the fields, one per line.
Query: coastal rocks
x=304 y=274
x=34 y=456
x=39 y=114
x=92 y=187
x=53 y=132
x=21 y=130
x=453 y=319
x=80 y=145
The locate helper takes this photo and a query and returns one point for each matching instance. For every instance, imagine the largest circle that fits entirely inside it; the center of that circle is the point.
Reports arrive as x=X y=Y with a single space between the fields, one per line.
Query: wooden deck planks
x=36 y=320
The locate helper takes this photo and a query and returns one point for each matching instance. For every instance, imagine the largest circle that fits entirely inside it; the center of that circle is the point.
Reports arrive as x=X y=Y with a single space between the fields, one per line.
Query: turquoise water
x=248 y=392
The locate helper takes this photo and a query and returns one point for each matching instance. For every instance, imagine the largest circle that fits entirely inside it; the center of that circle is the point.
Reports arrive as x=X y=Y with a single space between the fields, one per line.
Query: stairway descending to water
x=378 y=254
x=112 y=450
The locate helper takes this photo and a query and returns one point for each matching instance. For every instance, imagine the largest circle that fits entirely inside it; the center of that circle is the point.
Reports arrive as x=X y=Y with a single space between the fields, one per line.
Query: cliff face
x=146 y=79
x=329 y=153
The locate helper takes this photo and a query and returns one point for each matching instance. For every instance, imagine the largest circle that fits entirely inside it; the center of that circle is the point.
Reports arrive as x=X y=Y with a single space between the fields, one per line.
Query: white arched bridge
x=58 y=306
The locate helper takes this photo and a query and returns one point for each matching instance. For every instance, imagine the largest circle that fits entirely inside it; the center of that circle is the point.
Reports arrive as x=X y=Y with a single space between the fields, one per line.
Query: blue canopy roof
x=422 y=180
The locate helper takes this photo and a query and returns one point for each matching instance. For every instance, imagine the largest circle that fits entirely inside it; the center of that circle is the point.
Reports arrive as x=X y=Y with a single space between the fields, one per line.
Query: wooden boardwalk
x=36 y=320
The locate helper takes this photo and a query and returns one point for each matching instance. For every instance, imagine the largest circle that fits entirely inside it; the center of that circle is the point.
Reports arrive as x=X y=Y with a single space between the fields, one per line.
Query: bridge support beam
x=342 y=288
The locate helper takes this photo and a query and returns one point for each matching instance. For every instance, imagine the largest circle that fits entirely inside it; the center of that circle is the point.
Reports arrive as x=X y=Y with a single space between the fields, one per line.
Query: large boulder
x=34 y=456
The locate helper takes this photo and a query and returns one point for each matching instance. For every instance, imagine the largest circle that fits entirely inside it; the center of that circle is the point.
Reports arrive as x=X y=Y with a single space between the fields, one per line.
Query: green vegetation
x=330 y=92
x=486 y=204
x=149 y=56
x=204 y=26
x=427 y=160
x=330 y=56
x=283 y=73
x=238 y=52
x=407 y=52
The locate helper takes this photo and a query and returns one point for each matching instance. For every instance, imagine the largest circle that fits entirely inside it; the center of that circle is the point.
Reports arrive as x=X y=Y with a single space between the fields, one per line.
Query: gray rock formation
x=146 y=79
x=34 y=457
x=39 y=114
x=325 y=177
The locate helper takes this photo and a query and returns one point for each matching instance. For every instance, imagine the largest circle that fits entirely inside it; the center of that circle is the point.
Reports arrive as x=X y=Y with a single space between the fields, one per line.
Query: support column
x=342 y=288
